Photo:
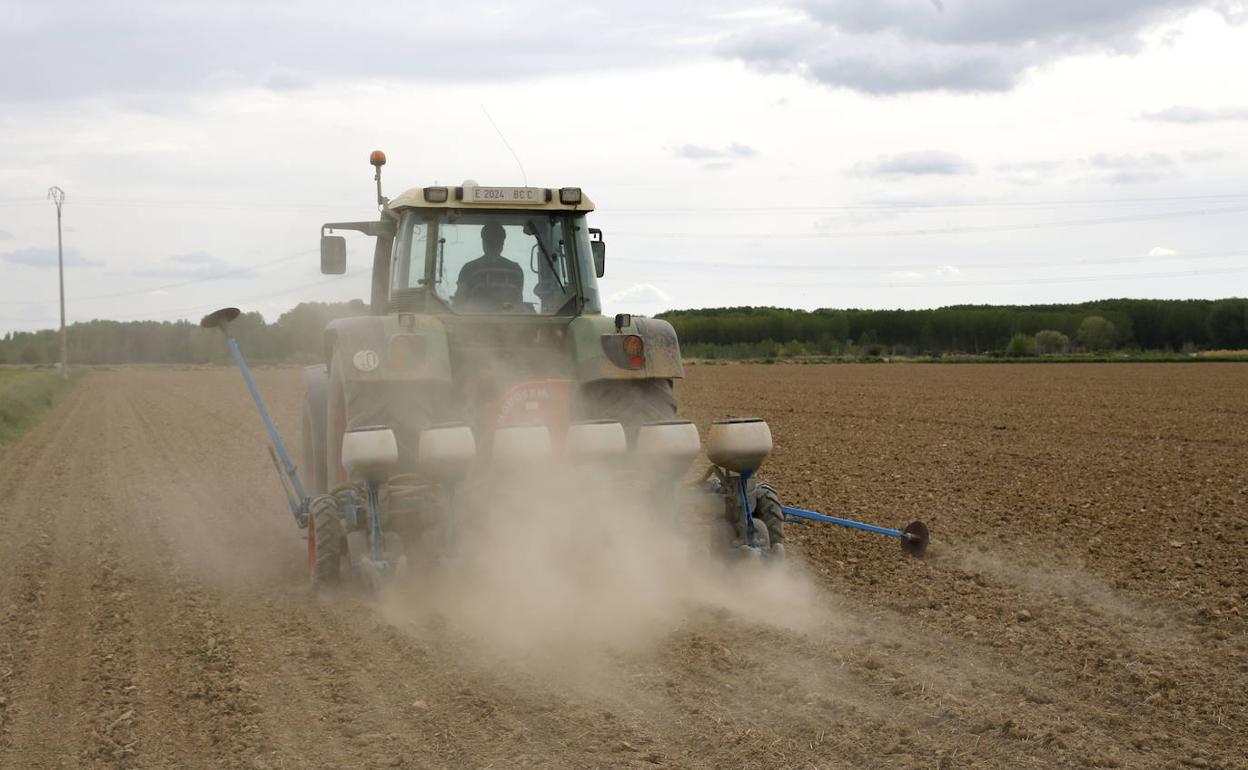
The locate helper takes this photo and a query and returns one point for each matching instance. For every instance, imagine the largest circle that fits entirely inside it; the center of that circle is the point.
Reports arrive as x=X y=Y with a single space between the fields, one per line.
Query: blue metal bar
x=291 y=500
x=748 y=520
x=375 y=543
x=804 y=514
x=268 y=422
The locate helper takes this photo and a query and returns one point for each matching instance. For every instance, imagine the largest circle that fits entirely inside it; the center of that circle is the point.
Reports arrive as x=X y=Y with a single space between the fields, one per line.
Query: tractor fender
x=600 y=349
x=399 y=347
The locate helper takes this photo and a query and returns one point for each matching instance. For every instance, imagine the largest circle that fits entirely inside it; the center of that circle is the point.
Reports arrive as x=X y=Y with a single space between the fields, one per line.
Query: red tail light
x=635 y=349
x=406 y=351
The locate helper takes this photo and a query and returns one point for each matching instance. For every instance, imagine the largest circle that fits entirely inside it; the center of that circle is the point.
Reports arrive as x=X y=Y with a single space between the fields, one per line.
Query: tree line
x=974 y=329
x=732 y=332
x=296 y=336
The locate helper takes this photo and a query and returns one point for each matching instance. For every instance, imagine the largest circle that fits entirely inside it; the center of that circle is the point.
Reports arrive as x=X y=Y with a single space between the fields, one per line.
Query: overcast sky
x=817 y=153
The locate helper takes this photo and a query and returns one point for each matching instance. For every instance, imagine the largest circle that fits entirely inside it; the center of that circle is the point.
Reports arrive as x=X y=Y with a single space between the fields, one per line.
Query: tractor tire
x=312 y=454
x=325 y=540
x=767 y=507
x=632 y=402
x=761 y=540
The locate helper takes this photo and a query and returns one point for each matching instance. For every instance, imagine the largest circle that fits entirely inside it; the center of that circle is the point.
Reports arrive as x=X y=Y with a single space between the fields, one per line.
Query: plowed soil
x=1082 y=604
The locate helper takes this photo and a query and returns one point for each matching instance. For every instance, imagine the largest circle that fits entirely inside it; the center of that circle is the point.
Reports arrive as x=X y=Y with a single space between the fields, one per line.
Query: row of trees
x=296 y=336
x=736 y=332
x=1145 y=324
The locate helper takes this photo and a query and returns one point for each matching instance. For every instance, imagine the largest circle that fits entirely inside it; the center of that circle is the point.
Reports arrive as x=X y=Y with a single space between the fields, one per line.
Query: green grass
x=25 y=394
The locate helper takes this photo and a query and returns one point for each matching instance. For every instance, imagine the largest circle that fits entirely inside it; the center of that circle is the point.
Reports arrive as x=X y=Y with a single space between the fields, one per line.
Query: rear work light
x=635 y=349
x=570 y=196
x=406 y=351
x=435 y=194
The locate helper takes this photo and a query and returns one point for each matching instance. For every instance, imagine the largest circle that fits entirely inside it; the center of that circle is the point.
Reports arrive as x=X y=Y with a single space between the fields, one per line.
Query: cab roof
x=476 y=196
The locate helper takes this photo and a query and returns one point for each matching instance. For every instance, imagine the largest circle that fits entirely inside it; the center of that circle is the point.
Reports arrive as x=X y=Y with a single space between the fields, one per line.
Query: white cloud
x=171 y=49
x=1198 y=114
x=639 y=294
x=1131 y=169
x=1161 y=251
x=45 y=256
x=196 y=265
x=700 y=152
x=899 y=46
x=947 y=271
x=922 y=163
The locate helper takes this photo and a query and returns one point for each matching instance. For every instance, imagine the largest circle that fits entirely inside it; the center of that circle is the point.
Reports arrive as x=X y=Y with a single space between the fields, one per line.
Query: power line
x=179 y=284
x=909 y=206
x=771 y=266
x=943 y=230
x=985 y=282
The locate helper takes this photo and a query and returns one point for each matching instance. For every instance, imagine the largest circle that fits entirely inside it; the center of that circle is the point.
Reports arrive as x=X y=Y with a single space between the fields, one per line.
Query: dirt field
x=1082 y=605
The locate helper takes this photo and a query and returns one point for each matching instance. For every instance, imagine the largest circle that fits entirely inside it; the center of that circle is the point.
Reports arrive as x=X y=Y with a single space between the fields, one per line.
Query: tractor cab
x=479 y=259
x=476 y=250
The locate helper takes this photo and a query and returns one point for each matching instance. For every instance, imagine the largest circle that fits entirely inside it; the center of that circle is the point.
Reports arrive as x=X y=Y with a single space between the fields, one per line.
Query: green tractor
x=486 y=366
x=485 y=313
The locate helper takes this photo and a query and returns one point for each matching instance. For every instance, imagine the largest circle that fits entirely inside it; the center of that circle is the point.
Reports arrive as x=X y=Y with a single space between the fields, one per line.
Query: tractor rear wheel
x=767 y=508
x=325 y=540
x=633 y=402
x=312 y=456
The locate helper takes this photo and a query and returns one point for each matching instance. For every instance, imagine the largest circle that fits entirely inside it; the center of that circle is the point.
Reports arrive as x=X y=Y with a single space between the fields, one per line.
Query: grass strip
x=26 y=394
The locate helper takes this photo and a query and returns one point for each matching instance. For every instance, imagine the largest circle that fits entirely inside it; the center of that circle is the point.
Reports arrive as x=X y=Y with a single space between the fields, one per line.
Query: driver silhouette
x=491 y=281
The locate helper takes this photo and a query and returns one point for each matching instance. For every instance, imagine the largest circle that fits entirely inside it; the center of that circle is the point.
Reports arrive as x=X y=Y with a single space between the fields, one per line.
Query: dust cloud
x=563 y=565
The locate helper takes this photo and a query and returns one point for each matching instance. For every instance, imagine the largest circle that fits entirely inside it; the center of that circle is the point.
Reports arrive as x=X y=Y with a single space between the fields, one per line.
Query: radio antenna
x=506 y=144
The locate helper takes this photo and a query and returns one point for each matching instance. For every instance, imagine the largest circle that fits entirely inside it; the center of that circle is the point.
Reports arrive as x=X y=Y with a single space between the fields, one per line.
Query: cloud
x=5 y=235
x=1030 y=172
x=1161 y=251
x=700 y=152
x=899 y=46
x=1131 y=169
x=171 y=50
x=922 y=163
x=944 y=271
x=196 y=265
x=641 y=293
x=1198 y=114
x=44 y=256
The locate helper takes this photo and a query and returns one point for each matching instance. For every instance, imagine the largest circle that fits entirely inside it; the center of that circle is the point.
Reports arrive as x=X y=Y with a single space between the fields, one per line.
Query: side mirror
x=599 y=249
x=333 y=254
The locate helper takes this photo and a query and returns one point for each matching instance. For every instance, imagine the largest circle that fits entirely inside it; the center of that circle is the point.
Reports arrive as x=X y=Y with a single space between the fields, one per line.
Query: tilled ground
x=1081 y=606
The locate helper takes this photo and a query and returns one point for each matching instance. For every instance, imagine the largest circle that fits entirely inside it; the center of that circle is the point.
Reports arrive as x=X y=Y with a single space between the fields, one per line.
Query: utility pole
x=57 y=196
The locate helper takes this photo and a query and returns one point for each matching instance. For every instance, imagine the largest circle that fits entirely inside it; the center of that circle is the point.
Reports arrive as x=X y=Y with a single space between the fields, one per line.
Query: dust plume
x=568 y=563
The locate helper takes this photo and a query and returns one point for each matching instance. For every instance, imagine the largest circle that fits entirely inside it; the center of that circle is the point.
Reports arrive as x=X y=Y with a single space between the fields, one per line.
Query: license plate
x=507 y=195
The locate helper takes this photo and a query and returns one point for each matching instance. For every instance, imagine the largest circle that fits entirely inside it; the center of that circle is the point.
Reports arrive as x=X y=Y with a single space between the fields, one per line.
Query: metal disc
x=915 y=546
x=218 y=317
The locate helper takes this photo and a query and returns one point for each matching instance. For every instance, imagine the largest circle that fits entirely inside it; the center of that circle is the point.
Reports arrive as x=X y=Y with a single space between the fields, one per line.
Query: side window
x=413 y=266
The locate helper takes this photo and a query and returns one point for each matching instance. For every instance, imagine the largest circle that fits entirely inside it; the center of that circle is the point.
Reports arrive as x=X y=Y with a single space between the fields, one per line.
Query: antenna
x=507 y=145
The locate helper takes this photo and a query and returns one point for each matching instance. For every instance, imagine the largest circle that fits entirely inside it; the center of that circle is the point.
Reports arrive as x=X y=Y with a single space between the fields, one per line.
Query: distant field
x=25 y=394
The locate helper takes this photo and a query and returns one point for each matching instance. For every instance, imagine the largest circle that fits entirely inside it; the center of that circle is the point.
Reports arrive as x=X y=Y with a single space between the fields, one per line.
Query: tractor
x=486 y=343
